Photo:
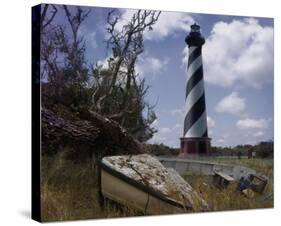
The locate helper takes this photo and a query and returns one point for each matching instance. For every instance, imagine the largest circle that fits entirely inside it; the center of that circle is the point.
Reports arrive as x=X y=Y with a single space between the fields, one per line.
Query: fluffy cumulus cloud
x=150 y=66
x=232 y=103
x=239 y=51
x=168 y=23
x=249 y=123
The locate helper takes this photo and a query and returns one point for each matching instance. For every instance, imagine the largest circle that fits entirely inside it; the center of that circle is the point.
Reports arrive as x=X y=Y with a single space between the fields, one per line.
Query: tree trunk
x=97 y=134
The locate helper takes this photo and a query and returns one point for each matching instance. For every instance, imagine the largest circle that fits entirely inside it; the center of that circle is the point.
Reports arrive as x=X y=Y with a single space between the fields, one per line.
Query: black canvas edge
x=35 y=115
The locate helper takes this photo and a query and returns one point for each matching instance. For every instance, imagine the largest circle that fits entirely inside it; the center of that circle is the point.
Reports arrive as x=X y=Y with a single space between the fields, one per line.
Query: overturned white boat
x=143 y=183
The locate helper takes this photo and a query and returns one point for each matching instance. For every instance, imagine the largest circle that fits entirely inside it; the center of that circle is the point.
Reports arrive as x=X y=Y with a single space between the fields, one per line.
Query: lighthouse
x=195 y=140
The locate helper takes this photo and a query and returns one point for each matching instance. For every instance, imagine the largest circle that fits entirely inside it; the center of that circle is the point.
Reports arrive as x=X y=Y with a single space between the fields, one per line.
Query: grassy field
x=69 y=191
x=264 y=166
x=229 y=199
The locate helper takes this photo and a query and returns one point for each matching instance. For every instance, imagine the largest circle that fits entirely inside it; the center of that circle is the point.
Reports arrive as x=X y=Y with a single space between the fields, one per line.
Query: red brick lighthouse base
x=191 y=147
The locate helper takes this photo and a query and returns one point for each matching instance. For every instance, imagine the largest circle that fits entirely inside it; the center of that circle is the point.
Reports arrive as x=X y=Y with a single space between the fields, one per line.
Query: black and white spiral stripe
x=195 y=122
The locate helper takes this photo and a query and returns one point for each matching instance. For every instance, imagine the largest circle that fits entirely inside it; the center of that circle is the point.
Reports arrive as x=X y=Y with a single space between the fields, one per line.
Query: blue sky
x=238 y=72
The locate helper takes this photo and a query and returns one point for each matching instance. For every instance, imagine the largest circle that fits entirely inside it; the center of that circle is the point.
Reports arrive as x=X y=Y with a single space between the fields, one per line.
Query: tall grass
x=69 y=191
x=229 y=199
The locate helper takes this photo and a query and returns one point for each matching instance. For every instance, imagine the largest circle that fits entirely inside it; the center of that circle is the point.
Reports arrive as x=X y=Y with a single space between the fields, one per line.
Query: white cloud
x=104 y=63
x=249 y=123
x=221 y=140
x=177 y=111
x=232 y=103
x=168 y=23
x=155 y=64
x=168 y=135
x=239 y=51
x=185 y=53
x=258 y=134
x=149 y=66
x=211 y=122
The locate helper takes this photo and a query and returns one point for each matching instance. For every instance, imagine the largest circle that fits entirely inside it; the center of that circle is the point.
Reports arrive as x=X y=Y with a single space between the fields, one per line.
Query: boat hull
x=130 y=195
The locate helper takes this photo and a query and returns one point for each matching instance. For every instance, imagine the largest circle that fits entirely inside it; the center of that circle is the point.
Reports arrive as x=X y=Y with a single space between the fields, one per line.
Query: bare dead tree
x=76 y=20
x=49 y=49
x=47 y=46
x=127 y=45
x=45 y=19
x=62 y=54
x=76 y=48
x=53 y=63
x=143 y=131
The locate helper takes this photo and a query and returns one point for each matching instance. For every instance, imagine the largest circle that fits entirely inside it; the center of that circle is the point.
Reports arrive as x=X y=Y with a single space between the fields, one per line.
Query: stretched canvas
x=139 y=112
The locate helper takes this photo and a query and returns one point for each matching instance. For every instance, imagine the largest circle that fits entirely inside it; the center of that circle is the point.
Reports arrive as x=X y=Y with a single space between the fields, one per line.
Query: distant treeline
x=161 y=149
x=263 y=149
